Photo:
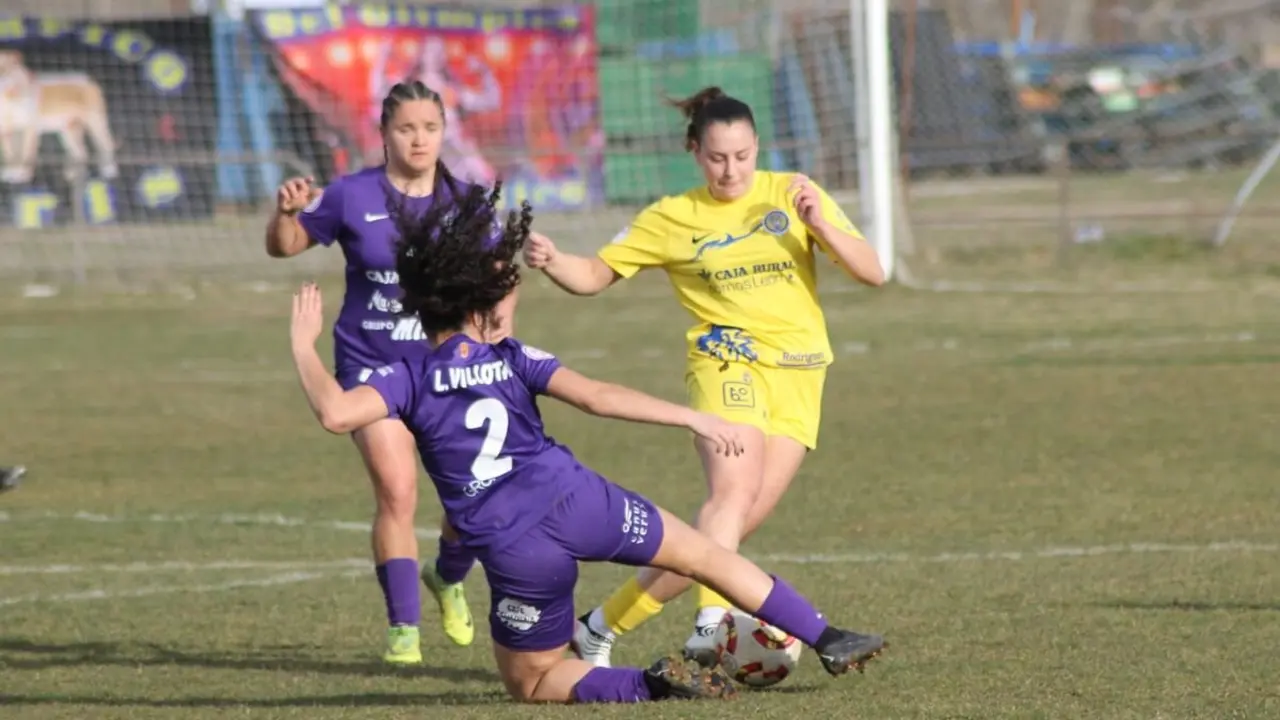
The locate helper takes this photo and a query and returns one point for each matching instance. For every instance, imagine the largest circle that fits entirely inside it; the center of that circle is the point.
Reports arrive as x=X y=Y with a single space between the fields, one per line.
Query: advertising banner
x=126 y=107
x=519 y=87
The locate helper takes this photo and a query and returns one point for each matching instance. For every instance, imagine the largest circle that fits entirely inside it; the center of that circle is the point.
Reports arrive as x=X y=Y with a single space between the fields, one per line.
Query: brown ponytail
x=710 y=105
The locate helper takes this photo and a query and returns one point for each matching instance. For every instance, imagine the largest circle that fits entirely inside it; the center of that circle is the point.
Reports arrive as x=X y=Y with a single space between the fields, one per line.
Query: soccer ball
x=753 y=652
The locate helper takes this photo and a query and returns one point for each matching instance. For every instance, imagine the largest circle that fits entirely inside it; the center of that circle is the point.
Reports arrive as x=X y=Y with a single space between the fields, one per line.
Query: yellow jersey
x=744 y=270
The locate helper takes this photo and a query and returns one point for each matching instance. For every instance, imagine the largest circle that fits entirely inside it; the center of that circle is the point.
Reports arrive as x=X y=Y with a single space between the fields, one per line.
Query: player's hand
x=539 y=251
x=308 y=316
x=725 y=437
x=294 y=195
x=807 y=202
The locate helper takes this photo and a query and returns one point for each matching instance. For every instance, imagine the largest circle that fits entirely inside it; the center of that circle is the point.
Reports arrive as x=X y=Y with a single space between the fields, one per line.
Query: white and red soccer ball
x=753 y=652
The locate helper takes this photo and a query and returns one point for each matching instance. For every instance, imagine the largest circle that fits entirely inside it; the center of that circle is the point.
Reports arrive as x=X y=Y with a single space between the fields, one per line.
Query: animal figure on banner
x=69 y=105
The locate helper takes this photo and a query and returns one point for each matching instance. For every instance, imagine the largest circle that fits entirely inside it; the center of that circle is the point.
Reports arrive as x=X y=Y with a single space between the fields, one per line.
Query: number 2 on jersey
x=489 y=463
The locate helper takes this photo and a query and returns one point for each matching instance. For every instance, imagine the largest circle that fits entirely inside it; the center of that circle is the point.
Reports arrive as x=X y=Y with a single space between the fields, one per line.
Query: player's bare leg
x=688 y=552
x=733 y=484
x=782 y=459
x=390 y=456
x=550 y=677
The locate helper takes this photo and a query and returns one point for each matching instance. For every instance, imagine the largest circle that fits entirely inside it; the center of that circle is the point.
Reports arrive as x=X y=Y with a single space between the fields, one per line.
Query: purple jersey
x=473 y=411
x=353 y=212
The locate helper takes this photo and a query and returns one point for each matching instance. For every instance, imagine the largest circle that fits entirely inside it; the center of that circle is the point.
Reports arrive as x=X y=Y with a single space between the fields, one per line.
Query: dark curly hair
x=455 y=261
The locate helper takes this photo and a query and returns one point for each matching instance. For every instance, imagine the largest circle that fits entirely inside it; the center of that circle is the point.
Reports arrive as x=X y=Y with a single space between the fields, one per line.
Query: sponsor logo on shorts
x=518 y=616
x=738 y=395
x=635 y=521
x=813 y=359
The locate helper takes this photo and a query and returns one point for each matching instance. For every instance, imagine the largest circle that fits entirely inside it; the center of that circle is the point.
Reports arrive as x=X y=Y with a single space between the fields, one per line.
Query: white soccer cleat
x=701 y=645
x=590 y=645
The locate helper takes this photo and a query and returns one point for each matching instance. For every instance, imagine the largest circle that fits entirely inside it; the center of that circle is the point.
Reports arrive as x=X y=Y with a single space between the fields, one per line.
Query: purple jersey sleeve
x=397 y=386
x=324 y=217
x=535 y=367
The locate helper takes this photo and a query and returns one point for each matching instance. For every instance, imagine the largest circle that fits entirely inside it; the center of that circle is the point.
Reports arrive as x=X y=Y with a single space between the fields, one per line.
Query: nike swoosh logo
x=699 y=238
x=370 y=217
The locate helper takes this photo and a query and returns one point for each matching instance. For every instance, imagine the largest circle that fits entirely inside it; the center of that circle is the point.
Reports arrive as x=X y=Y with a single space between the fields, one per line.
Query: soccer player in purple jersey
x=518 y=499
x=356 y=212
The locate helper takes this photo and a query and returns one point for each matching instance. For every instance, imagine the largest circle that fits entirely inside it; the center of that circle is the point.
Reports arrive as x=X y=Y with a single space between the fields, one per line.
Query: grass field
x=1055 y=506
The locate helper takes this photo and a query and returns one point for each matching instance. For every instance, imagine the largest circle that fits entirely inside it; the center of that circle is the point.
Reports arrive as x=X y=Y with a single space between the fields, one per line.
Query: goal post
x=874 y=107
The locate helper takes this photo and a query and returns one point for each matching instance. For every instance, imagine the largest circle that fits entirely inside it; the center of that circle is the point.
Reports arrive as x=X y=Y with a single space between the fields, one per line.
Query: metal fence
x=1083 y=144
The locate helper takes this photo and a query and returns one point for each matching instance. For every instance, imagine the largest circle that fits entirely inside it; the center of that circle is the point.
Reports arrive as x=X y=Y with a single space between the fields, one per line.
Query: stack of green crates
x=645 y=157
x=620 y=24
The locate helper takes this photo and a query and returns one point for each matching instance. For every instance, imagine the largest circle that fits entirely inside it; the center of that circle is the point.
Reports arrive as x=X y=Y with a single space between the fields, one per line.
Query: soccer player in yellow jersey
x=740 y=252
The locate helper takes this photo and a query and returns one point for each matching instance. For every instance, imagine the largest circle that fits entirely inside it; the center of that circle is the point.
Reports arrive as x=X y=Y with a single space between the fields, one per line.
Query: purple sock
x=612 y=685
x=399 y=580
x=454 y=562
x=789 y=610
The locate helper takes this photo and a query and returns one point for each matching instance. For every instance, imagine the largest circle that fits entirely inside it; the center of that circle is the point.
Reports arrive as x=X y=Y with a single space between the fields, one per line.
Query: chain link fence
x=1080 y=145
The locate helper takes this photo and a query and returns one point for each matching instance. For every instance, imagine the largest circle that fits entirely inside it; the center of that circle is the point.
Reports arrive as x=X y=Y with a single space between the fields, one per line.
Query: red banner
x=519 y=87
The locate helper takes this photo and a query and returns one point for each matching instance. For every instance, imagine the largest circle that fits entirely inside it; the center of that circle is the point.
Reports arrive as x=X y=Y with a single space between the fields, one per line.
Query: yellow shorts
x=779 y=401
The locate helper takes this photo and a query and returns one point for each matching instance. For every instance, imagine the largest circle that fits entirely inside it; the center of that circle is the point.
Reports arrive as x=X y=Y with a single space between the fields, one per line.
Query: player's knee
x=693 y=555
x=397 y=496
x=731 y=500
x=523 y=680
x=523 y=690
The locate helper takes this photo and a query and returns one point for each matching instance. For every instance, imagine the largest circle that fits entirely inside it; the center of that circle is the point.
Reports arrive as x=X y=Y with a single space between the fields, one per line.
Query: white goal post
x=874 y=104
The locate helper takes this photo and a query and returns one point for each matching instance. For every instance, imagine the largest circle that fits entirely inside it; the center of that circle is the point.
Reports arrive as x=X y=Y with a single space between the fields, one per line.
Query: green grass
x=992 y=473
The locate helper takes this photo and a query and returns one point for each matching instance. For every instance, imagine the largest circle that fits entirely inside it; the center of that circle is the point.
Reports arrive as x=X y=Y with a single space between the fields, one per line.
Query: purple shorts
x=531 y=580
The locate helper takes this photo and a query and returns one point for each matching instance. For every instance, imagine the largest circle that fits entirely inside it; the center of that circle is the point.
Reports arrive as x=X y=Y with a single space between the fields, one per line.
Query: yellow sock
x=708 y=598
x=629 y=607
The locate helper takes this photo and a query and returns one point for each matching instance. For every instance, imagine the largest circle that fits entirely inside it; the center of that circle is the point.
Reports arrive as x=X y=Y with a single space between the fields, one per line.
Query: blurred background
x=1048 y=458
x=1093 y=143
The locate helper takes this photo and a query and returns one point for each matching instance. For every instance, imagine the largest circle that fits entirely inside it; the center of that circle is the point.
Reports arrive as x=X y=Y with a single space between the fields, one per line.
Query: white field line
x=357 y=568
x=354 y=566
x=181 y=566
x=283 y=521
x=249 y=519
x=288 y=578
x=1049 y=553
x=195 y=375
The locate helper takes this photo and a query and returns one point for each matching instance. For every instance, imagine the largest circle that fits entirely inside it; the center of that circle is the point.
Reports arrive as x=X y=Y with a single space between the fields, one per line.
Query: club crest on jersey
x=464 y=350
x=776 y=222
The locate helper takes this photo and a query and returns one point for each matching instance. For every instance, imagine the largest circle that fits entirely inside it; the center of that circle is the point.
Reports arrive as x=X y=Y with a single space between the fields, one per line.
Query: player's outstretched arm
x=285 y=235
x=337 y=410
x=621 y=402
x=573 y=273
x=829 y=225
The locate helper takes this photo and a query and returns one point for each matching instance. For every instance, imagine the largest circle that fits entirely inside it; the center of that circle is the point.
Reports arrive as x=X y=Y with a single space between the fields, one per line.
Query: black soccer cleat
x=850 y=650
x=11 y=476
x=672 y=677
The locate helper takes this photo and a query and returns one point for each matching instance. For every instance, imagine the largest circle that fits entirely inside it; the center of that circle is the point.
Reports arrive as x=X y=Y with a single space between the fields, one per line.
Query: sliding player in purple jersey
x=356 y=211
x=517 y=498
